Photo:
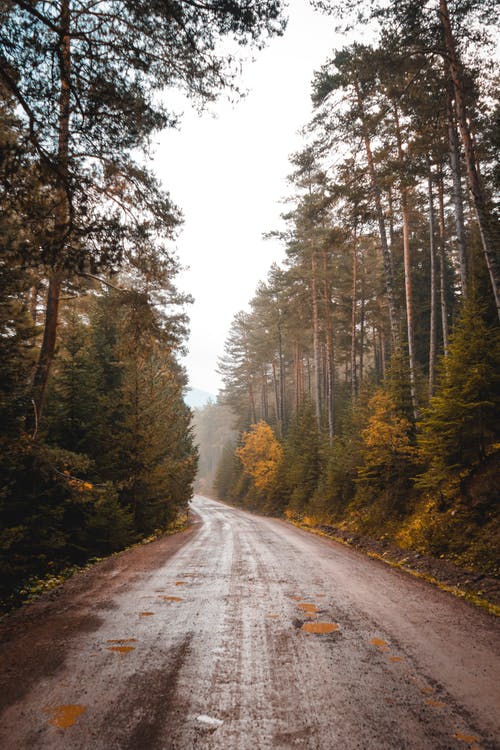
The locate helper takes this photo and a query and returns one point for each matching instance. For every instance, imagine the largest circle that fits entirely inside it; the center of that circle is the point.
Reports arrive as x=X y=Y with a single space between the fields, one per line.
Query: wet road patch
x=311 y=609
x=468 y=738
x=320 y=627
x=380 y=644
x=64 y=716
x=434 y=703
x=121 y=645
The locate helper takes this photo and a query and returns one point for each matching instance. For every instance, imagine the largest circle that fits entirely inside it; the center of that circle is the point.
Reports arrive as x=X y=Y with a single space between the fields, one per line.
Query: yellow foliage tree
x=386 y=437
x=260 y=454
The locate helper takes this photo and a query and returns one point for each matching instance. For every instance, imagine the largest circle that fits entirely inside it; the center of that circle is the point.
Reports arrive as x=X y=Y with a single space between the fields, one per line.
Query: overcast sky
x=227 y=171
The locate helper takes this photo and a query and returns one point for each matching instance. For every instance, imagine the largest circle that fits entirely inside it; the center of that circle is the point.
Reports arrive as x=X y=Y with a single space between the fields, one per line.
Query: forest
x=96 y=446
x=363 y=377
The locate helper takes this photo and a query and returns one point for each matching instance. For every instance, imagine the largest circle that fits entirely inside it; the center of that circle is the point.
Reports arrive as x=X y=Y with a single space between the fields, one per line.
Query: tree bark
x=484 y=217
x=457 y=196
x=442 y=264
x=354 y=380
x=61 y=224
x=330 y=361
x=407 y=269
x=316 y=348
x=386 y=254
x=433 y=289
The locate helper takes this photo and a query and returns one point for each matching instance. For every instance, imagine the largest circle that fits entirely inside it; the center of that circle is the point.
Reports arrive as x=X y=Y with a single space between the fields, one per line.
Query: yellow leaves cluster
x=260 y=454
x=387 y=432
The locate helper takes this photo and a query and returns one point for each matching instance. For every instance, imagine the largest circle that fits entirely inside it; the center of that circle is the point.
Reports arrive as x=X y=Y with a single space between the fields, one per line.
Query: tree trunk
x=264 y=399
x=61 y=225
x=442 y=264
x=251 y=401
x=276 y=397
x=282 y=414
x=484 y=217
x=297 y=377
x=433 y=289
x=457 y=196
x=386 y=254
x=354 y=380
x=407 y=269
x=316 y=348
x=330 y=362
x=362 y=327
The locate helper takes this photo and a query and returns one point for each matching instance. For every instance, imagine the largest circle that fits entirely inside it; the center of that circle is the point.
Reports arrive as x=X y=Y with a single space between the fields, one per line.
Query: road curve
x=254 y=634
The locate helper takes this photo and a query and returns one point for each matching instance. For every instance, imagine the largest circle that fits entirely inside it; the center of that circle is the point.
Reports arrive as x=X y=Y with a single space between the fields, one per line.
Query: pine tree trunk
x=264 y=401
x=330 y=362
x=407 y=268
x=457 y=196
x=297 y=377
x=386 y=254
x=362 y=328
x=442 y=264
x=484 y=217
x=251 y=401
x=61 y=226
x=433 y=289
x=354 y=380
x=282 y=414
x=276 y=397
x=316 y=348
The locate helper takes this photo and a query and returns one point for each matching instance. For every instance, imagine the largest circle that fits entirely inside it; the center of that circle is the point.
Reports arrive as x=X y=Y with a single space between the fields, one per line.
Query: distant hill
x=195 y=398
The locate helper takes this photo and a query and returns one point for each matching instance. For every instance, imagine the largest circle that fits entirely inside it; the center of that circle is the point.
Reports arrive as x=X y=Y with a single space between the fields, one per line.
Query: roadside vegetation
x=364 y=377
x=96 y=447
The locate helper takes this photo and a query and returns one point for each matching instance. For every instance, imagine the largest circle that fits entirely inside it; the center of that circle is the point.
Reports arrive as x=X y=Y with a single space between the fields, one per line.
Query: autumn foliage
x=260 y=454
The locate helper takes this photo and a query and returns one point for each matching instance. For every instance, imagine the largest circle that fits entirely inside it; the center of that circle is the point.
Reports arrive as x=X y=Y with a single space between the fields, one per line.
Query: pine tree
x=460 y=427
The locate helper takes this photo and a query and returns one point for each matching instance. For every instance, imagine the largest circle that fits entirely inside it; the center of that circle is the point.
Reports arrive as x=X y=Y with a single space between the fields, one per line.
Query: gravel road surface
x=245 y=632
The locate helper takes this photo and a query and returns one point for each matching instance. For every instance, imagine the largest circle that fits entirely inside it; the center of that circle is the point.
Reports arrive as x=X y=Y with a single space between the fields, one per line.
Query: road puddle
x=380 y=644
x=172 y=598
x=120 y=645
x=320 y=627
x=121 y=640
x=309 y=608
x=469 y=738
x=146 y=614
x=434 y=703
x=64 y=716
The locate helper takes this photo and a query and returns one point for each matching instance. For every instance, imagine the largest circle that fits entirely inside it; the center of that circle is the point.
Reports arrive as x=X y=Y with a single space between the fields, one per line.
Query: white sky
x=228 y=175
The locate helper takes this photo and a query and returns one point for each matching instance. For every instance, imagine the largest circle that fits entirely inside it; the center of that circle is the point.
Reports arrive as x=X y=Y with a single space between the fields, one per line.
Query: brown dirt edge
x=131 y=562
x=36 y=638
x=481 y=590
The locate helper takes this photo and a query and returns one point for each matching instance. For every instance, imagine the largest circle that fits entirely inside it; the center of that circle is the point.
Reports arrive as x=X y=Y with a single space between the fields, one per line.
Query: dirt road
x=248 y=633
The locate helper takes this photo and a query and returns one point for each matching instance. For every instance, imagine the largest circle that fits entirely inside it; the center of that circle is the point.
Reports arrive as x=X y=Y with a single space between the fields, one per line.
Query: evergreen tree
x=461 y=427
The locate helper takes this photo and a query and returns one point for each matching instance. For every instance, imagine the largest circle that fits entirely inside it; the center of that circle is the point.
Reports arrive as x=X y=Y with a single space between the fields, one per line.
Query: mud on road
x=245 y=632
